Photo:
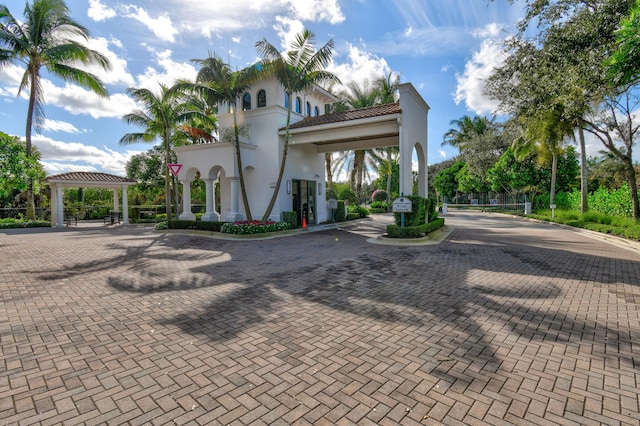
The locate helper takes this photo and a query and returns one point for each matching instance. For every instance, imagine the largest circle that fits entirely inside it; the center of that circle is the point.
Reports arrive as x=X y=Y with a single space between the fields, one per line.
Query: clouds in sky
x=151 y=42
x=59 y=157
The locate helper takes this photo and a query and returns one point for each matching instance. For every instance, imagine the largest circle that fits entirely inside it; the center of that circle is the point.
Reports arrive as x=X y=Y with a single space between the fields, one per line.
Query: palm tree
x=544 y=136
x=46 y=39
x=387 y=87
x=358 y=96
x=161 y=116
x=217 y=83
x=297 y=70
x=465 y=129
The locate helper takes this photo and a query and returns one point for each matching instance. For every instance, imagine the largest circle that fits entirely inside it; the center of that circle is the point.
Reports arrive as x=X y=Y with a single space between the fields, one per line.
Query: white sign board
x=402 y=205
x=332 y=203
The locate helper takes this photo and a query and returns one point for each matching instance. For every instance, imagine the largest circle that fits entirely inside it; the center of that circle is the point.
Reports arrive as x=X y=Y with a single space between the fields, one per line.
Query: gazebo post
x=59 y=208
x=125 y=206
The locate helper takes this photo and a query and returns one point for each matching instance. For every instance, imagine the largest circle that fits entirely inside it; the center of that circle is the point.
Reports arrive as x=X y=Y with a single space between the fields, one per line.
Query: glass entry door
x=304 y=200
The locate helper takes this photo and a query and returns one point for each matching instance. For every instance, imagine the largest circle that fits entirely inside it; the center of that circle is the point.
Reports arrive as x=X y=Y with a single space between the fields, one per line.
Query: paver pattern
x=504 y=322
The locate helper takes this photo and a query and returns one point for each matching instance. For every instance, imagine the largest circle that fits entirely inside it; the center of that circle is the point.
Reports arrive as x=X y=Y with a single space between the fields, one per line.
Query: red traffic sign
x=174 y=168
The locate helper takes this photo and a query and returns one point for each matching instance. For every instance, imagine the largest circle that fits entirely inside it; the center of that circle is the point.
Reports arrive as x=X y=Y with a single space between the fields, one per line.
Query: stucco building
x=263 y=113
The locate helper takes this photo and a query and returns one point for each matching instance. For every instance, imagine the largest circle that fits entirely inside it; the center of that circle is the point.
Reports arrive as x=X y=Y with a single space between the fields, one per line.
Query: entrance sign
x=174 y=168
x=402 y=205
x=332 y=203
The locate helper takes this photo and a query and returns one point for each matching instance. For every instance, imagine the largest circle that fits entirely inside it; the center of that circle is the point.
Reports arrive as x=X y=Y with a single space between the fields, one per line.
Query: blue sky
x=442 y=47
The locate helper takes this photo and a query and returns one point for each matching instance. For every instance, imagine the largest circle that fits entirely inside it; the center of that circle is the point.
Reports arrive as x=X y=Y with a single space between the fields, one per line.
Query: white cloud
x=162 y=27
x=59 y=157
x=99 y=12
x=287 y=29
x=360 y=66
x=60 y=126
x=471 y=83
x=170 y=71
x=317 y=10
x=118 y=74
x=79 y=101
x=10 y=77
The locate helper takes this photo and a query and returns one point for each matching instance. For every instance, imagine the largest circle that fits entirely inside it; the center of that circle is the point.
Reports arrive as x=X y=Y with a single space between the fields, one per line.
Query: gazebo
x=87 y=180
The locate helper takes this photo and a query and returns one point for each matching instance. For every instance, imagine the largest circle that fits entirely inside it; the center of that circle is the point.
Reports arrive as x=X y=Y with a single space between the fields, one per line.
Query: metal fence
x=487 y=202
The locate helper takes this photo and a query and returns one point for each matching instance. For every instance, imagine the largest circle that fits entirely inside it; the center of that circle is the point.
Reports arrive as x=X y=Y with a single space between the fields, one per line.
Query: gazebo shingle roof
x=356 y=114
x=90 y=177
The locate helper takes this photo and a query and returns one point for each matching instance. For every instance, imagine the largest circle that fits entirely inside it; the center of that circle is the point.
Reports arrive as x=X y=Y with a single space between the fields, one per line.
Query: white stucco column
x=125 y=206
x=186 y=202
x=234 y=215
x=116 y=202
x=59 y=207
x=210 y=214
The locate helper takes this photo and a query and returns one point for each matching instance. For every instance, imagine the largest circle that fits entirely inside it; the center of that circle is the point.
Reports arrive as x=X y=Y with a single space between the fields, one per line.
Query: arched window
x=316 y=111
x=286 y=100
x=246 y=102
x=262 y=99
x=307 y=110
x=298 y=105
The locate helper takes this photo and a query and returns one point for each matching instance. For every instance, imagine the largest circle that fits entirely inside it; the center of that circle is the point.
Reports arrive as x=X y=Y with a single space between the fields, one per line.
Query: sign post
x=402 y=205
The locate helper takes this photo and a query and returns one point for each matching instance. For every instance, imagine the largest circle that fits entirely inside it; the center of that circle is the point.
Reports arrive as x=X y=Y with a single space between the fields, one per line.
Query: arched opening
x=262 y=99
x=246 y=102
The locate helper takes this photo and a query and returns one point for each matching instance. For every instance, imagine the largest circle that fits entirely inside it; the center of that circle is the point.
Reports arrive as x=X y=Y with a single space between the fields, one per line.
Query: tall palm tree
x=161 y=117
x=46 y=39
x=217 y=83
x=544 y=136
x=297 y=70
x=465 y=129
x=387 y=87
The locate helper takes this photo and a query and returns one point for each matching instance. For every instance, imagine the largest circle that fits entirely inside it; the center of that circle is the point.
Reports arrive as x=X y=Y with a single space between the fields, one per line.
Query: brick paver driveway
x=504 y=322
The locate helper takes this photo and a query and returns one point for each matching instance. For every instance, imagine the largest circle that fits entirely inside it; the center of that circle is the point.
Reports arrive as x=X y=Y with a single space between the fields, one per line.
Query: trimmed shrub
x=421 y=209
x=379 y=195
x=359 y=211
x=254 y=227
x=341 y=213
x=395 y=231
x=347 y=195
x=291 y=218
x=192 y=224
x=19 y=223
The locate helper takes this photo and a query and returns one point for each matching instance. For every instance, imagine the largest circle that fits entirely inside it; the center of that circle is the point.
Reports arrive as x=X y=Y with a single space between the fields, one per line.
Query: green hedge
x=195 y=224
x=249 y=228
x=394 y=231
x=420 y=207
x=341 y=212
x=357 y=210
x=291 y=218
x=17 y=223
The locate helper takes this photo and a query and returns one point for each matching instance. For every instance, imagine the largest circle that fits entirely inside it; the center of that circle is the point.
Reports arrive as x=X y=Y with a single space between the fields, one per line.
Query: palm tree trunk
x=584 y=184
x=243 y=189
x=285 y=148
x=31 y=205
x=554 y=169
x=327 y=167
x=389 y=174
x=167 y=176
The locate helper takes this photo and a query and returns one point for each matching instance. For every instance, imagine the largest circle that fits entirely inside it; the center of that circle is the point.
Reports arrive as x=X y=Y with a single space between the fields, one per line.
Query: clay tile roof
x=90 y=177
x=356 y=114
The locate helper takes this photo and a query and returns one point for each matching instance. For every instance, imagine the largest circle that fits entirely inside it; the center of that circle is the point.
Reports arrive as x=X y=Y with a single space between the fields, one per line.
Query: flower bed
x=253 y=227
